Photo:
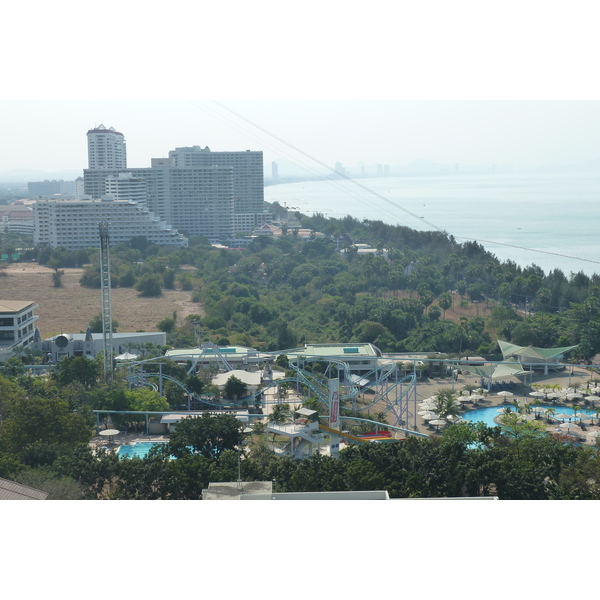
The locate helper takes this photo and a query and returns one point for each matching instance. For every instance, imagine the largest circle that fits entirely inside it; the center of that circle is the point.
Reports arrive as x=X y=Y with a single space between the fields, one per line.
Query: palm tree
x=446 y=404
x=549 y=413
x=279 y=415
x=380 y=417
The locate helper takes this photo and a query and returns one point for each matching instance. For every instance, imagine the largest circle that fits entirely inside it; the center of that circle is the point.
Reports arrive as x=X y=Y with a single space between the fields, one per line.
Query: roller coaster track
x=396 y=394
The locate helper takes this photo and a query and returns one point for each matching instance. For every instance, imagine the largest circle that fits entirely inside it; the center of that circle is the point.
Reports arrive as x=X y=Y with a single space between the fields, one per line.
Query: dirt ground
x=70 y=308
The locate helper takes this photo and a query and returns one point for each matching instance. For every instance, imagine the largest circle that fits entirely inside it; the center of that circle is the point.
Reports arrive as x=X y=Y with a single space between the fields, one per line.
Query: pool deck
x=125 y=438
x=580 y=375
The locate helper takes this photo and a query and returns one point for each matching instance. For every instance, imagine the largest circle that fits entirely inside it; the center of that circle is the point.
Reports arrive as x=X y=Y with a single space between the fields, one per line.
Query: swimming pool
x=139 y=449
x=488 y=414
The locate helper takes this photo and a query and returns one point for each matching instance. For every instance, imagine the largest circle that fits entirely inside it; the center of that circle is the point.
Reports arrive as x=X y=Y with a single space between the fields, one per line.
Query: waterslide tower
x=106 y=302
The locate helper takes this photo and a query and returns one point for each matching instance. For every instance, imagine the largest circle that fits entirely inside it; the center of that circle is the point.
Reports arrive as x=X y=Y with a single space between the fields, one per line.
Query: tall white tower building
x=106 y=149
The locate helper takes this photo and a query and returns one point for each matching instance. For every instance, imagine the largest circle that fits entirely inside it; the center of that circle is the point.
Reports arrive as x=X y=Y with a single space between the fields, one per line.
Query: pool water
x=139 y=449
x=487 y=415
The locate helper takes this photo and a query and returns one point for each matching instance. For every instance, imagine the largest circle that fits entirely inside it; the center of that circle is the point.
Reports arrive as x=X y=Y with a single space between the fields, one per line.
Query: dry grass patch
x=70 y=308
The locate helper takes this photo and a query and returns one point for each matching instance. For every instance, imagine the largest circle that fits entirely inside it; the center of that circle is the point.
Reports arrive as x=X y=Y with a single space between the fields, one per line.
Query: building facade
x=248 y=177
x=74 y=223
x=17 y=326
x=89 y=344
x=214 y=195
x=49 y=188
x=106 y=149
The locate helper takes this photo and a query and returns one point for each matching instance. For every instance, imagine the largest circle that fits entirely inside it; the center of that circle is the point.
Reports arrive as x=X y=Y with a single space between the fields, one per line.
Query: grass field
x=70 y=308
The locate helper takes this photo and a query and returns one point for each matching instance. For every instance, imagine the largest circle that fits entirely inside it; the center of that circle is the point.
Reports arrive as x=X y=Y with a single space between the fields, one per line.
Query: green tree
x=149 y=286
x=206 y=435
x=235 y=388
x=76 y=368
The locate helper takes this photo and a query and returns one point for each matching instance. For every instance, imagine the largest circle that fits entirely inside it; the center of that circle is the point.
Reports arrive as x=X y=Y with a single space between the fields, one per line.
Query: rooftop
x=14 y=306
x=343 y=350
x=11 y=490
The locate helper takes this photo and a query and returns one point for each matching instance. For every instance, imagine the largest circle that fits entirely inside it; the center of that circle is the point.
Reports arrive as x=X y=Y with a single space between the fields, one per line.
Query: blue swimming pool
x=487 y=415
x=139 y=449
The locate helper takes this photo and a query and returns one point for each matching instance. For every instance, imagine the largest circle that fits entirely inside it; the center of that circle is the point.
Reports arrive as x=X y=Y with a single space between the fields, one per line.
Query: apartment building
x=17 y=325
x=200 y=193
x=248 y=178
x=74 y=223
x=106 y=149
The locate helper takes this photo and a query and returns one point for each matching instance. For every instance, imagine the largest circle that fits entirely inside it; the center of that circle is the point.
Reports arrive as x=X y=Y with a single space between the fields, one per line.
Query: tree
x=149 y=286
x=445 y=302
x=96 y=324
x=206 y=435
x=76 y=368
x=446 y=404
x=235 y=388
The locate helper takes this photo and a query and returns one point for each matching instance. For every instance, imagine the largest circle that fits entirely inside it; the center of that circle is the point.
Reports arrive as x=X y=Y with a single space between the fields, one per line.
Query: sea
x=551 y=220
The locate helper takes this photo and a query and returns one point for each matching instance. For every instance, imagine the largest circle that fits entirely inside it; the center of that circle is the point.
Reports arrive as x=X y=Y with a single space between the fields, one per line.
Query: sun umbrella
x=594 y=434
x=569 y=426
x=505 y=393
x=591 y=398
x=437 y=422
x=537 y=394
x=110 y=433
x=574 y=395
x=563 y=416
x=428 y=415
x=477 y=397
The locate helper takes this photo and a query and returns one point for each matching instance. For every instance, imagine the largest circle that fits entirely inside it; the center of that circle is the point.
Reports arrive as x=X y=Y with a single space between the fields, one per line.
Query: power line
x=387 y=200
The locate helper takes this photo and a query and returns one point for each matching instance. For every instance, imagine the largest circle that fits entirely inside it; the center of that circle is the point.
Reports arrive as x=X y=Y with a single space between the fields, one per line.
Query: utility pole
x=106 y=302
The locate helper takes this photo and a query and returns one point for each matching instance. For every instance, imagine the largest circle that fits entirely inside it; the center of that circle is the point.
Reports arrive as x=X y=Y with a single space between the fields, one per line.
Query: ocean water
x=551 y=220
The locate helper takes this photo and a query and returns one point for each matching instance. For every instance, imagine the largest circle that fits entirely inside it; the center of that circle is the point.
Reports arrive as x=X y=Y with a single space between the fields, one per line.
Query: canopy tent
x=506 y=368
x=532 y=355
x=126 y=356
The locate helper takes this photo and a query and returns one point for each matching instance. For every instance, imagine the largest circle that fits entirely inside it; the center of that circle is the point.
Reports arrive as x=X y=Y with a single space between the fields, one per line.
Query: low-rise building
x=17 y=326
x=223 y=358
x=89 y=344
x=361 y=358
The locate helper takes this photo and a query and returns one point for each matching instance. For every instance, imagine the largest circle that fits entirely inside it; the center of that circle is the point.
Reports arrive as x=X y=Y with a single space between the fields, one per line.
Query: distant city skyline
x=50 y=135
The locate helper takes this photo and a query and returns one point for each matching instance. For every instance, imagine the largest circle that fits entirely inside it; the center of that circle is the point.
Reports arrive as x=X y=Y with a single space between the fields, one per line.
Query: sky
x=463 y=82
x=50 y=135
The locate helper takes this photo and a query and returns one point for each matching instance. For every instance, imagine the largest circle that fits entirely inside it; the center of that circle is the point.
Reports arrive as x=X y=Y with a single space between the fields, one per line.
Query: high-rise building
x=106 y=149
x=200 y=193
x=248 y=177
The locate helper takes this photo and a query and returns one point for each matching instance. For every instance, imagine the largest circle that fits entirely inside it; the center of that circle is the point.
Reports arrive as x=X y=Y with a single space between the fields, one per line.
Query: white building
x=17 y=325
x=106 y=149
x=16 y=218
x=74 y=223
x=248 y=177
x=89 y=344
x=214 y=195
x=125 y=186
x=49 y=188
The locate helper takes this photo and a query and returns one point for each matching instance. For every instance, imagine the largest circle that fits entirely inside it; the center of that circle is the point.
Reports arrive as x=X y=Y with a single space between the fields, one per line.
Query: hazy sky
x=464 y=81
x=51 y=134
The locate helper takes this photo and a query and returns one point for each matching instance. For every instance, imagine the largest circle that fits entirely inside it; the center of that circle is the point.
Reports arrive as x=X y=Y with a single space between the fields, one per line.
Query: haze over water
x=555 y=213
